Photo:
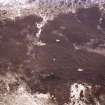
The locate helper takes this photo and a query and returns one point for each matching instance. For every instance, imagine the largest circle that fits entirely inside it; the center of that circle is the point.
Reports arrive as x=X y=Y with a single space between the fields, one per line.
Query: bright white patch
x=18 y=12
x=76 y=90
x=41 y=43
x=36 y=39
x=8 y=79
x=39 y=6
x=13 y=2
x=54 y=59
x=40 y=26
x=76 y=47
x=79 y=93
x=101 y=19
x=57 y=40
x=22 y=97
x=79 y=69
x=73 y=11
